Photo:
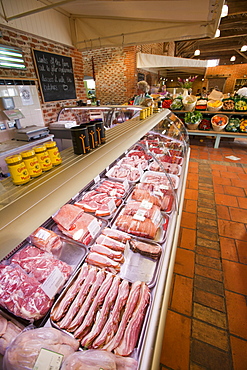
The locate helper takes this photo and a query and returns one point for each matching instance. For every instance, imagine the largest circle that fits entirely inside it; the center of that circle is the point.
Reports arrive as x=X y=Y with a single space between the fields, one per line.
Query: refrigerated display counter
x=26 y=207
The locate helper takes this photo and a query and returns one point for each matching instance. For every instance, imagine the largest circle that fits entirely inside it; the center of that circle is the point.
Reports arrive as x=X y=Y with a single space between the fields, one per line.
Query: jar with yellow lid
x=31 y=161
x=53 y=152
x=43 y=157
x=142 y=114
x=17 y=169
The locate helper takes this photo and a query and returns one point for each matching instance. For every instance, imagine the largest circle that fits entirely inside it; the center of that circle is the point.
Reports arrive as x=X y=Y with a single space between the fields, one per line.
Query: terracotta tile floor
x=206 y=324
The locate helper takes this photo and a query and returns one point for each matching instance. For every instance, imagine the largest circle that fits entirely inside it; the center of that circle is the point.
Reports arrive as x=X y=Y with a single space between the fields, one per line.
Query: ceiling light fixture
x=197 y=52
x=224 y=11
x=217 y=33
x=243 y=48
x=233 y=58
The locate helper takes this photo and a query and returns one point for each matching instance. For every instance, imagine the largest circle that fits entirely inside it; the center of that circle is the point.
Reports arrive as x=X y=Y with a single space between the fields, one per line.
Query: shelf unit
x=27 y=207
x=216 y=134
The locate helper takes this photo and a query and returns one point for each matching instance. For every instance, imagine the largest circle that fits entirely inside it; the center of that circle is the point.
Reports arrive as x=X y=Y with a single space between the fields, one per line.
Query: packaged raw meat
x=21 y=294
x=94 y=359
x=111 y=188
x=146 y=249
x=100 y=203
x=39 y=264
x=116 y=235
x=108 y=311
x=9 y=329
x=157 y=194
x=33 y=347
x=73 y=222
x=144 y=229
x=143 y=209
x=47 y=240
x=123 y=172
x=134 y=161
x=172 y=168
x=164 y=181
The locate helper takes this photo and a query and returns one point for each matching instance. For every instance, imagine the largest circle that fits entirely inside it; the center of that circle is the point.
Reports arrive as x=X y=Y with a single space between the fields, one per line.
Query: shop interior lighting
x=11 y=57
x=243 y=48
x=233 y=58
x=197 y=52
x=213 y=62
x=217 y=33
x=224 y=11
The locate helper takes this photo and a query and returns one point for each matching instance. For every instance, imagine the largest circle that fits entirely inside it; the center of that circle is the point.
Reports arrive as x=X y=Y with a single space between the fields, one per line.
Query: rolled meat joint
x=47 y=240
x=92 y=359
x=25 y=349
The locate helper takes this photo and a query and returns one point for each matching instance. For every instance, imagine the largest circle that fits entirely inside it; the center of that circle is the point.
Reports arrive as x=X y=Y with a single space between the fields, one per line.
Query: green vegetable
x=193 y=117
x=177 y=104
x=233 y=125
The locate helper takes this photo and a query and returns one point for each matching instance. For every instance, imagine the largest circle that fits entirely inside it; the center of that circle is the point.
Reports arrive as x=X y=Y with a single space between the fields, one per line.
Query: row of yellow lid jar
x=31 y=163
x=146 y=112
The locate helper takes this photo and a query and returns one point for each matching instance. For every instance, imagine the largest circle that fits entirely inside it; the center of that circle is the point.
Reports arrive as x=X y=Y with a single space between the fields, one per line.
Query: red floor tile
x=188 y=220
x=184 y=263
x=232 y=229
x=226 y=200
x=221 y=180
x=238 y=183
x=190 y=206
x=223 y=212
x=242 y=251
x=181 y=301
x=237 y=323
x=176 y=343
x=242 y=202
x=191 y=194
x=239 y=350
x=188 y=239
x=228 y=249
x=235 y=277
x=232 y=190
x=238 y=215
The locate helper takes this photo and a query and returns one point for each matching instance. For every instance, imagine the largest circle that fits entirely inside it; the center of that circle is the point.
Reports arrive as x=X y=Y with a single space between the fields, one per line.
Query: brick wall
x=232 y=72
x=26 y=42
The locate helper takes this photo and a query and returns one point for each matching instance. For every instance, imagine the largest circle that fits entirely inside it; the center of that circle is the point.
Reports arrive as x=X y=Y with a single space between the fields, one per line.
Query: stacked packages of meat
x=47 y=240
x=107 y=251
x=73 y=222
x=124 y=171
x=102 y=310
x=103 y=199
x=155 y=193
x=31 y=349
x=172 y=168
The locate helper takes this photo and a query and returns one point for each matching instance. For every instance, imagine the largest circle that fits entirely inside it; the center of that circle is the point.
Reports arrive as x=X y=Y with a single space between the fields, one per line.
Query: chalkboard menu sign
x=55 y=73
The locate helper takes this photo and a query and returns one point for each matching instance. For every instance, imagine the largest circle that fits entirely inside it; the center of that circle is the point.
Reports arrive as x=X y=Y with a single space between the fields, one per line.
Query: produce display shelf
x=218 y=135
x=38 y=201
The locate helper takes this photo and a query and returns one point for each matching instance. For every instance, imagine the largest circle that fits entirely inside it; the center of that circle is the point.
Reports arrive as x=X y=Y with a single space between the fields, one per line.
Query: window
x=11 y=57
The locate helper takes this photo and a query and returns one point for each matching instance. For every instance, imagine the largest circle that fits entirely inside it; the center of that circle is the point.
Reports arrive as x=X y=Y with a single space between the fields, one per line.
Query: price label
x=111 y=205
x=164 y=187
x=48 y=360
x=53 y=283
x=42 y=234
x=126 y=185
x=145 y=204
x=93 y=228
x=97 y=179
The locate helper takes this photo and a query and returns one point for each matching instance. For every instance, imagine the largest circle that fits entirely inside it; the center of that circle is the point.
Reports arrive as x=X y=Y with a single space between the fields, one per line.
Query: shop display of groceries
x=92 y=266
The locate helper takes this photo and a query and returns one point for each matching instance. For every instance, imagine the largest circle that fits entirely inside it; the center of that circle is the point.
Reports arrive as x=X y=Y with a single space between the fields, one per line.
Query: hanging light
x=197 y=52
x=233 y=58
x=217 y=33
x=243 y=48
x=224 y=11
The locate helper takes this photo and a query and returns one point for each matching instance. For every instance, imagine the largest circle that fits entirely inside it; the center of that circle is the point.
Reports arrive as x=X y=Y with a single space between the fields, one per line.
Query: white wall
x=49 y=24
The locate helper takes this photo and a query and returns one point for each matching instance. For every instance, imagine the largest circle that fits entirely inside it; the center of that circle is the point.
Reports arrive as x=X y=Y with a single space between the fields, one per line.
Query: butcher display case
x=154 y=153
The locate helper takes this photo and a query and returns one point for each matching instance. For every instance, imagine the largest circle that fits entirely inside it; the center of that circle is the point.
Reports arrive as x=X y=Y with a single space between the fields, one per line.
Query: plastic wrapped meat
x=145 y=229
x=112 y=188
x=138 y=209
x=25 y=349
x=95 y=359
x=39 y=263
x=46 y=240
x=74 y=222
x=169 y=167
x=21 y=294
x=99 y=204
x=8 y=332
x=159 y=196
